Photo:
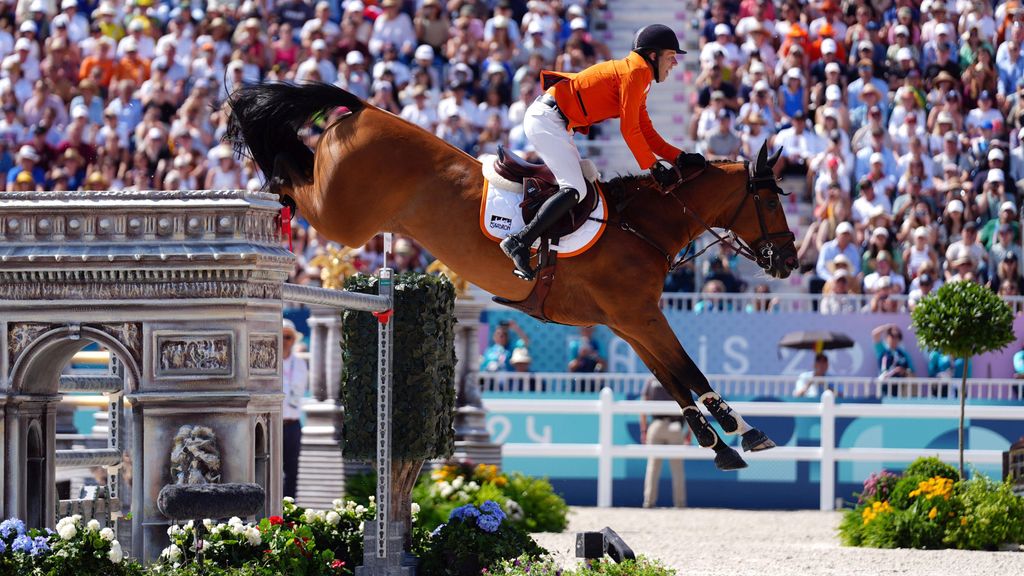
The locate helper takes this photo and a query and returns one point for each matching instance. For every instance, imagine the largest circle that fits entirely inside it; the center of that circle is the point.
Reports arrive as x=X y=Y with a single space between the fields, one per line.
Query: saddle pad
x=500 y=215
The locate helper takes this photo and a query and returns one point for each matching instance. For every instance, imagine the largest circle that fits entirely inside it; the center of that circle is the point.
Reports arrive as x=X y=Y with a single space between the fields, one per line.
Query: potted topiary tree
x=963 y=319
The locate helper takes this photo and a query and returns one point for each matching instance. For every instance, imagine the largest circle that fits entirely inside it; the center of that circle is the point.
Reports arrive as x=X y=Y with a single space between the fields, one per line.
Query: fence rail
x=846 y=387
x=827 y=454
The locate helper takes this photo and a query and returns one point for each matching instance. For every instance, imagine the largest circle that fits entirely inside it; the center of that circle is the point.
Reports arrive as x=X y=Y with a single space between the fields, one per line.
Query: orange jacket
x=612 y=89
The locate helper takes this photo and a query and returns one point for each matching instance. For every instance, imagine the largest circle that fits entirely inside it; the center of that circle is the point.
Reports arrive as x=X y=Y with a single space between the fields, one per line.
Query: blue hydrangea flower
x=464 y=513
x=488 y=523
x=3 y=546
x=492 y=507
x=22 y=544
x=11 y=525
x=41 y=546
x=437 y=531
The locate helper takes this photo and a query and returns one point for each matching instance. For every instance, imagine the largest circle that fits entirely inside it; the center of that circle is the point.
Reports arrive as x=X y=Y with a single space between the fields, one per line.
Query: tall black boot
x=517 y=246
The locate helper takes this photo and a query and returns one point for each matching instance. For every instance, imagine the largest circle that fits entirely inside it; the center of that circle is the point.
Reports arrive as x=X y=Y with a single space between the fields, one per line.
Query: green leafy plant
x=526 y=566
x=475 y=538
x=75 y=548
x=936 y=512
x=962 y=320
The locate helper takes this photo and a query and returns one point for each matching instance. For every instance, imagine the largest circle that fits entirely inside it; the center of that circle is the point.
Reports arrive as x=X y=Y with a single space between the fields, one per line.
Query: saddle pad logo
x=501 y=223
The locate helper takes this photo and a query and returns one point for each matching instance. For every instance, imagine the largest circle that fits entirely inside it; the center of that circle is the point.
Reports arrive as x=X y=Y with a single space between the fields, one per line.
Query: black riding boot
x=517 y=246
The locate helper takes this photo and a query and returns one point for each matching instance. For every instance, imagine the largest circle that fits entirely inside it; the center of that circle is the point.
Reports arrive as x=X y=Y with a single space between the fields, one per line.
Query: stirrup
x=515 y=253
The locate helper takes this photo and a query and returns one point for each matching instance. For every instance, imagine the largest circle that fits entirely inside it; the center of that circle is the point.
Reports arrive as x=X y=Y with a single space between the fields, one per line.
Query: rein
x=765 y=253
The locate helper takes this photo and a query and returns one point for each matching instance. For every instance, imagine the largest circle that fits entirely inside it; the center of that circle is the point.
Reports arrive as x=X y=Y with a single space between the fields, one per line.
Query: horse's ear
x=774 y=157
x=761 y=164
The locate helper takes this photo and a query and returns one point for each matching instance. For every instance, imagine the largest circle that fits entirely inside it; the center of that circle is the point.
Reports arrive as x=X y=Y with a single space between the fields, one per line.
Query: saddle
x=538 y=185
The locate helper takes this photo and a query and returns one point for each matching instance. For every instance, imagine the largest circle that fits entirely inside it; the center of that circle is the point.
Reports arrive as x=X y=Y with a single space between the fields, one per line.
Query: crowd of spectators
x=129 y=94
x=903 y=120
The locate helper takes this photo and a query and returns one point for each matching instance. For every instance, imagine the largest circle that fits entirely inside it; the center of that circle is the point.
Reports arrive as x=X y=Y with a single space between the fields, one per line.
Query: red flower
x=337 y=565
x=276 y=520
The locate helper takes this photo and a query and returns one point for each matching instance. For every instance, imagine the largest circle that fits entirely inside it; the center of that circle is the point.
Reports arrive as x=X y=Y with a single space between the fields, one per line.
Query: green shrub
x=525 y=566
x=359 y=487
x=937 y=512
x=992 y=515
x=931 y=467
x=475 y=538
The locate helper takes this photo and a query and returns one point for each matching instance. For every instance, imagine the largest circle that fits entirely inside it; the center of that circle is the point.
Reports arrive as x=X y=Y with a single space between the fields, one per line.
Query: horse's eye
x=773 y=204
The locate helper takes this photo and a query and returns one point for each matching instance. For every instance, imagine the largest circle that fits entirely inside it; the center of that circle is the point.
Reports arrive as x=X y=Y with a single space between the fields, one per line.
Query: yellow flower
x=963 y=520
x=933 y=513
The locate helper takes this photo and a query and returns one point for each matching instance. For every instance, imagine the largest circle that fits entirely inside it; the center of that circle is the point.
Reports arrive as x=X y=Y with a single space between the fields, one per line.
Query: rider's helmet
x=655 y=37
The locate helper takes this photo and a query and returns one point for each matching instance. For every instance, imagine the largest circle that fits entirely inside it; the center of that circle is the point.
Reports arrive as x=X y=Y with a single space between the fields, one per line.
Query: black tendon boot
x=725 y=457
x=753 y=439
x=517 y=246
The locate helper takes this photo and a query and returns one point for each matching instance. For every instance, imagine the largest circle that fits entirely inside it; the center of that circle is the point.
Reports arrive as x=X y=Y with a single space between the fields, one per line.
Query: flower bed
x=930 y=507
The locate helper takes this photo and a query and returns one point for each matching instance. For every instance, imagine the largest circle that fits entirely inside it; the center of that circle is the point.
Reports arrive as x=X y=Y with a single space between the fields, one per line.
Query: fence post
x=604 y=438
x=828 y=460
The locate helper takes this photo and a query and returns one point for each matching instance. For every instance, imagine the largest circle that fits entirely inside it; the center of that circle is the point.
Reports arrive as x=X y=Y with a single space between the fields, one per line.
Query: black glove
x=690 y=160
x=664 y=176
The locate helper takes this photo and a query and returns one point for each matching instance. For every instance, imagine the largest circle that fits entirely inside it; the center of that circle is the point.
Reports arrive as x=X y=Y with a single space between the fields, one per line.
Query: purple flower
x=22 y=544
x=11 y=525
x=464 y=513
x=40 y=545
x=488 y=523
x=492 y=507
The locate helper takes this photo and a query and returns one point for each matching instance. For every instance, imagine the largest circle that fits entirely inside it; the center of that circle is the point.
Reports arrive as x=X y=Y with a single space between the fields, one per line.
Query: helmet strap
x=653 y=63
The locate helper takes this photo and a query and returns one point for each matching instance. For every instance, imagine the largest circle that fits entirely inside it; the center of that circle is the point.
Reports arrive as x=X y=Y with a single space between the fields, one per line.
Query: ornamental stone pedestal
x=472 y=440
x=184 y=289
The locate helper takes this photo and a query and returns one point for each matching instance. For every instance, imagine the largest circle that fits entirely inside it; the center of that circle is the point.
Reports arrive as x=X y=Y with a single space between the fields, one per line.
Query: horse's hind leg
x=657 y=337
x=726 y=458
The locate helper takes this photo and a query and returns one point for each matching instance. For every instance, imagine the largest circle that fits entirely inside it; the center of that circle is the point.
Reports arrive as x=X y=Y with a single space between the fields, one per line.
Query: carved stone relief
x=195 y=458
x=263 y=354
x=20 y=335
x=129 y=334
x=194 y=355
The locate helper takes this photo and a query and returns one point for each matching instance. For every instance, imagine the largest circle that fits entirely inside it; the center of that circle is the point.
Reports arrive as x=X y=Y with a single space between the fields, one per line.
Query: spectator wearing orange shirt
x=103 y=62
x=132 y=66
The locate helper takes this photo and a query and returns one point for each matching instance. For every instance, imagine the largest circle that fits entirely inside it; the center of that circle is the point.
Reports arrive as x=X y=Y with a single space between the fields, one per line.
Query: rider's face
x=666 y=62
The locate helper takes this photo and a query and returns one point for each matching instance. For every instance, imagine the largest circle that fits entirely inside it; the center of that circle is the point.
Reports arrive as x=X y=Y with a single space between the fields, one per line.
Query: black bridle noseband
x=764 y=251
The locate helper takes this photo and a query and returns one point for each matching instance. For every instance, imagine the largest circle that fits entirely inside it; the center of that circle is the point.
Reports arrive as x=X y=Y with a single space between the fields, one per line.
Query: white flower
x=189 y=525
x=207 y=523
x=289 y=499
x=372 y=499
x=472 y=486
x=463 y=496
x=309 y=516
x=252 y=534
x=457 y=483
x=361 y=527
x=116 y=554
x=234 y=520
x=360 y=508
x=174 y=530
x=338 y=503
x=67 y=531
x=76 y=518
x=333 y=518
x=93 y=525
x=446 y=491
x=172 y=553
x=107 y=534
x=415 y=508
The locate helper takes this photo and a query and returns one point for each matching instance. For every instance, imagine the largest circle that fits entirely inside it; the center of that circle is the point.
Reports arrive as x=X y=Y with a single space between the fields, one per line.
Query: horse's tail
x=266 y=118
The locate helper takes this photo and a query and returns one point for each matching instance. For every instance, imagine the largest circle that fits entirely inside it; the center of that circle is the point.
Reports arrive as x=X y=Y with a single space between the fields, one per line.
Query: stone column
x=472 y=441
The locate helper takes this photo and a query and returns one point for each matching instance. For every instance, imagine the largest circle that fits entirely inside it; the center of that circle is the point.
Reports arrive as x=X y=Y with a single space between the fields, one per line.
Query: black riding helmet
x=655 y=37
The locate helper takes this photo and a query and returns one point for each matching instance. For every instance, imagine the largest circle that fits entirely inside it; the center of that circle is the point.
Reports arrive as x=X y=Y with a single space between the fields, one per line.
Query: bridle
x=763 y=252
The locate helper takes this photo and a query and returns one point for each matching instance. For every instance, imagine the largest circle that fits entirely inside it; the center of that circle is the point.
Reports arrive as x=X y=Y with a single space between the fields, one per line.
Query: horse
x=372 y=171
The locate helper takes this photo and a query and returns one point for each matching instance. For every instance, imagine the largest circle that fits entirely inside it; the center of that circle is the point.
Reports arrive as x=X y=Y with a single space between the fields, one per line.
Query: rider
x=575 y=101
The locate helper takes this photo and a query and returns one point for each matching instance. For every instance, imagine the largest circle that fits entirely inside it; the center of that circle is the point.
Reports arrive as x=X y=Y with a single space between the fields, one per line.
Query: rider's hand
x=664 y=176
x=690 y=160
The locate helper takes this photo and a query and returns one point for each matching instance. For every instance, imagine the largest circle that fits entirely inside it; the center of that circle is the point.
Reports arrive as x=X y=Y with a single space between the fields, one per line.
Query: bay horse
x=372 y=171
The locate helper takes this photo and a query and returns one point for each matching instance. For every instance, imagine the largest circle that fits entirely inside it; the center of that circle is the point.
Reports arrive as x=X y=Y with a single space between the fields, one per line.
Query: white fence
x=785 y=302
x=730 y=386
x=605 y=451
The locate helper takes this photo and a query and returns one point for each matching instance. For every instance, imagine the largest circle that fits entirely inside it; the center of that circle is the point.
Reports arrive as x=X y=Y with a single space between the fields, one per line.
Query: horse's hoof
x=729 y=459
x=754 y=441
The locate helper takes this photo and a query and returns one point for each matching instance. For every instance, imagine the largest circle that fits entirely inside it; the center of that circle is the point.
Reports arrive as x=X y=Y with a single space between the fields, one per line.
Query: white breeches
x=545 y=129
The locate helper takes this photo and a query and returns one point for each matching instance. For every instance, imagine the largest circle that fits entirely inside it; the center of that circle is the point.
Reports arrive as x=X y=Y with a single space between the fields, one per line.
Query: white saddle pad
x=500 y=214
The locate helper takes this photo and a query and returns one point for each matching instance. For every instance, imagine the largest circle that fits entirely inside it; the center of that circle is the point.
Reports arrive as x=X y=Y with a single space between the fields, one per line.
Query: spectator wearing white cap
x=821 y=67
x=939 y=21
x=26 y=55
x=723 y=41
x=762 y=102
x=1007 y=215
x=78 y=24
x=758 y=43
x=920 y=251
x=537 y=41
x=353 y=75
x=842 y=244
x=27 y=160
x=322 y=23
x=874 y=191
x=901 y=39
x=994 y=160
x=424 y=58
x=395 y=27
x=389 y=62
x=144 y=44
x=884 y=274
x=418 y=110
x=318 y=61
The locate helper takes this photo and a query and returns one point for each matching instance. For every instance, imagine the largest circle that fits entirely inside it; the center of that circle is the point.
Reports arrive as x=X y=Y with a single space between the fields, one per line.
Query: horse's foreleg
x=657 y=337
x=726 y=458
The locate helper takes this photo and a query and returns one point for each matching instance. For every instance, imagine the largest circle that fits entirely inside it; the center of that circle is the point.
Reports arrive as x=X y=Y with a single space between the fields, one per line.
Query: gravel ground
x=712 y=542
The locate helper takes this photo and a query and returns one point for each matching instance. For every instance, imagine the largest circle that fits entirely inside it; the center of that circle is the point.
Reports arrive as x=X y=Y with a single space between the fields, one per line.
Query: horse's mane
x=626 y=186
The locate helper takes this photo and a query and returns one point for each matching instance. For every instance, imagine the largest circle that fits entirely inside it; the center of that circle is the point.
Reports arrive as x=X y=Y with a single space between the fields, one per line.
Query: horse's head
x=760 y=222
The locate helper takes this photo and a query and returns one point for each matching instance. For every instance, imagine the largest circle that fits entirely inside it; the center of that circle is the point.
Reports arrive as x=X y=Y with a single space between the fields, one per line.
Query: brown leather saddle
x=539 y=185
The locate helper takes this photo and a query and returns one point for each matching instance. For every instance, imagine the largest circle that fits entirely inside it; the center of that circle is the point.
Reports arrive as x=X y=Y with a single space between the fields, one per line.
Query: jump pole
x=381 y=305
